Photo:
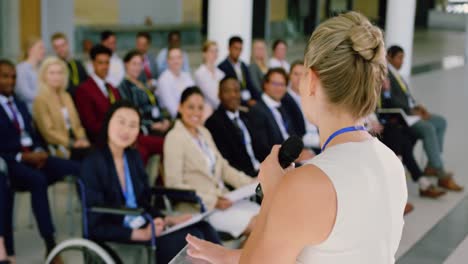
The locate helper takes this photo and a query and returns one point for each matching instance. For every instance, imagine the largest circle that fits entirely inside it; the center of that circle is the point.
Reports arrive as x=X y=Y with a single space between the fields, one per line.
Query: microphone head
x=290 y=151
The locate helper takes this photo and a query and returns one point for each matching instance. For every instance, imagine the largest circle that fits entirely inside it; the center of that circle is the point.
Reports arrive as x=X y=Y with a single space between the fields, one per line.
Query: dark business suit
x=398 y=98
x=103 y=189
x=6 y=213
x=295 y=113
x=265 y=131
x=229 y=71
x=26 y=178
x=76 y=75
x=229 y=141
x=92 y=105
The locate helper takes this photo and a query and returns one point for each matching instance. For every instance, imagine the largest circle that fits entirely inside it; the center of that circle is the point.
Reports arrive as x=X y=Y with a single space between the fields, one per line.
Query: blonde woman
x=26 y=71
x=346 y=204
x=55 y=114
x=258 y=66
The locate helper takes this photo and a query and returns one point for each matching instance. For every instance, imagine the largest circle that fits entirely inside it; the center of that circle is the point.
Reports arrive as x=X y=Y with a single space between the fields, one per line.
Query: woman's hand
x=175 y=220
x=81 y=143
x=270 y=172
x=212 y=253
x=223 y=203
x=158 y=226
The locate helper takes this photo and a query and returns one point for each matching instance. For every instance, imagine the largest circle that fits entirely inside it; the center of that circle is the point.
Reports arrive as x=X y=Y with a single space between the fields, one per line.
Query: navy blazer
x=295 y=113
x=266 y=132
x=230 y=144
x=229 y=71
x=10 y=139
x=103 y=188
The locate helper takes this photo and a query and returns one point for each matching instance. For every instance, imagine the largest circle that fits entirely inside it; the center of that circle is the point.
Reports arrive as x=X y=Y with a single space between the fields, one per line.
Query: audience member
x=76 y=71
x=231 y=129
x=94 y=97
x=116 y=71
x=173 y=41
x=280 y=48
x=55 y=114
x=233 y=66
x=26 y=85
x=29 y=167
x=258 y=66
x=173 y=81
x=114 y=176
x=192 y=161
x=154 y=119
x=272 y=123
x=207 y=76
x=7 y=252
x=311 y=137
x=149 y=75
x=430 y=128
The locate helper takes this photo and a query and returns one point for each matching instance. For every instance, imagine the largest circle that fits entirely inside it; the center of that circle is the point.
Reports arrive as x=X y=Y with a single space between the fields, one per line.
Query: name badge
x=155 y=113
x=134 y=222
x=245 y=95
x=26 y=140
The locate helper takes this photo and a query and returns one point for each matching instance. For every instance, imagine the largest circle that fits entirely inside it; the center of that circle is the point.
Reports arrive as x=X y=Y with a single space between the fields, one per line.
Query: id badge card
x=155 y=113
x=134 y=222
x=245 y=95
x=26 y=140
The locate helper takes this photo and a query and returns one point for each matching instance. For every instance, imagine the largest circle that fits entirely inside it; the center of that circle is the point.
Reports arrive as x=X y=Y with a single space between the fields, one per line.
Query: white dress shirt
x=170 y=88
x=275 y=63
x=101 y=84
x=209 y=83
x=238 y=69
x=311 y=138
x=116 y=70
x=273 y=106
x=235 y=117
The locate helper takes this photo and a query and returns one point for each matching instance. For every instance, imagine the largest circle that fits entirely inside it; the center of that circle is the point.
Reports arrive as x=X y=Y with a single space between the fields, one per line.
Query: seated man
x=29 y=167
x=430 y=128
x=234 y=67
x=232 y=130
x=272 y=123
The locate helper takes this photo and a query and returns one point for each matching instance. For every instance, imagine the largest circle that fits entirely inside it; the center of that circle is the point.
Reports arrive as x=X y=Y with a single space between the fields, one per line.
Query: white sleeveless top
x=371 y=196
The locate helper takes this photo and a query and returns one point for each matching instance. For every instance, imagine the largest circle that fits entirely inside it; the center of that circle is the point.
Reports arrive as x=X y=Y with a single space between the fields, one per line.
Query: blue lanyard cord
x=342 y=131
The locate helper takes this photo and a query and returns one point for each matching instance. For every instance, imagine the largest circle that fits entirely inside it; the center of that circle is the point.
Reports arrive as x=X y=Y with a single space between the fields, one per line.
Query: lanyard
x=75 y=77
x=342 y=131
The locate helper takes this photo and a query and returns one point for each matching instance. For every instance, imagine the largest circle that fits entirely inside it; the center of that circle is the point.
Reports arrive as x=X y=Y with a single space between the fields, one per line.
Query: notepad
x=409 y=119
x=195 y=219
x=242 y=193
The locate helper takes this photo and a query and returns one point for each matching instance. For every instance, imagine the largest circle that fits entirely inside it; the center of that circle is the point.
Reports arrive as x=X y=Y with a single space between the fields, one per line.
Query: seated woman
x=114 y=176
x=192 y=161
x=55 y=114
x=154 y=119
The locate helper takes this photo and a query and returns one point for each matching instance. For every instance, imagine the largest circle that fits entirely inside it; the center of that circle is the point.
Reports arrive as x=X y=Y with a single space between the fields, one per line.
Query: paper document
x=195 y=219
x=409 y=119
x=183 y=258
x=235 y=219
x=242 y=193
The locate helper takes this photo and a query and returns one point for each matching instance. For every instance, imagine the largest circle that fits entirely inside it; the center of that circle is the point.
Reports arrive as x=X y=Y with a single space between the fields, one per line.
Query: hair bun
x=366 y=40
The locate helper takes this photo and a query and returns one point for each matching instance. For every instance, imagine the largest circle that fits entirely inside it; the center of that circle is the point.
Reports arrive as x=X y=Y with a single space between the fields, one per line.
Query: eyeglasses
x=277 y=84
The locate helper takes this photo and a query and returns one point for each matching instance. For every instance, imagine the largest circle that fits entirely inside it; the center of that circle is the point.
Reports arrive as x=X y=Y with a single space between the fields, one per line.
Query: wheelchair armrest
x=176 y=194
x=116 y=211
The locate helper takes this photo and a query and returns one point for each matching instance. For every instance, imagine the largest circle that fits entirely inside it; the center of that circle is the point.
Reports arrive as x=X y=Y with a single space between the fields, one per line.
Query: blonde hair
x=208 y=44
x=43 y=87
x=348 y=54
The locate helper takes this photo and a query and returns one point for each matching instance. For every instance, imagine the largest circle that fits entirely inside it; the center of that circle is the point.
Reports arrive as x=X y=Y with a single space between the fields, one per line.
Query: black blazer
x=266 y=132
x=103 y=188
x=229 y=71
x=229 y=142
x=295 y=113
x=10 y=139
x=398 y=98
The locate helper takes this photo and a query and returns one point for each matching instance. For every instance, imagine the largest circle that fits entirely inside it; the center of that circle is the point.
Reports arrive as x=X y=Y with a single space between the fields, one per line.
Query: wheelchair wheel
x=80 y=250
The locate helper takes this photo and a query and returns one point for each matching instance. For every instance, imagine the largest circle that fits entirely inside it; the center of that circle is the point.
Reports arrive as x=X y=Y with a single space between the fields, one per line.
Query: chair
x=174 y=194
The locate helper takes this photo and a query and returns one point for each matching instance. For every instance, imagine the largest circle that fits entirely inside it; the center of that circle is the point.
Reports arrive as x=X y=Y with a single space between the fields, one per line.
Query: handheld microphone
x=288 y=153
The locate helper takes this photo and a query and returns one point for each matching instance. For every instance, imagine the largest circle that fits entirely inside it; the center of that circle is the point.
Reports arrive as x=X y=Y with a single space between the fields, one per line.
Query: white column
x=399 y=29
x=227 y=18
x=9 y=30
x=58 y=16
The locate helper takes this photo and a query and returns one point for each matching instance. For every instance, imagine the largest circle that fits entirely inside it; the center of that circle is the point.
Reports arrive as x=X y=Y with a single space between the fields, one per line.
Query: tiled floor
x=442 y=91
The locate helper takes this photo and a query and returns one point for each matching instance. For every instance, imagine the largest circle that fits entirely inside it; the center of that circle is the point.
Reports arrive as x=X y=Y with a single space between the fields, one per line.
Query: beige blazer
x=48 y=117
x=186 y=166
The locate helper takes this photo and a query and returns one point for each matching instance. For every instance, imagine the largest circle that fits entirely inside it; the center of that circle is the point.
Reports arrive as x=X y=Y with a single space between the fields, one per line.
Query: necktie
x=74 y=76
x=284 y=116
x=110 y=93
x=15 y=116
x=402 y=84
x=239 y=131
x=146 y=68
